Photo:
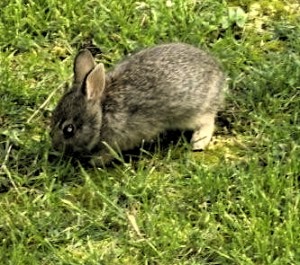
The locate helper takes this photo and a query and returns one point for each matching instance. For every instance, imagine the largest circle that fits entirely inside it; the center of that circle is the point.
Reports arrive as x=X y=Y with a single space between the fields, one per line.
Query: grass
x=236 y=203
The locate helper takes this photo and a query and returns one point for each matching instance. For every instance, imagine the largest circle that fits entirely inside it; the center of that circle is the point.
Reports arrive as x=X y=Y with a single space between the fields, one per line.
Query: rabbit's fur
x=169 y=86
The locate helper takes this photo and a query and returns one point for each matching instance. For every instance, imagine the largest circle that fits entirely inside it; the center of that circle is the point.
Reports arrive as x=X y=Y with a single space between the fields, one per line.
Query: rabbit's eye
x=69 y=131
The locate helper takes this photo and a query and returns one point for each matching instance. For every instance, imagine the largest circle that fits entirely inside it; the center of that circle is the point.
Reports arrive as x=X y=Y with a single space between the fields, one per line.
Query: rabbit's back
x=166 y=83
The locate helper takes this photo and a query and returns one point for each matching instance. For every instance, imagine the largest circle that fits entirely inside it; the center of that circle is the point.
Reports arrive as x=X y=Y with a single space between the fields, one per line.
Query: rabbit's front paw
x=100 y=161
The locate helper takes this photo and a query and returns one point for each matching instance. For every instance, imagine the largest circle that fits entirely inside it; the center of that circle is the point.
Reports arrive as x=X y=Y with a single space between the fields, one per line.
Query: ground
x=235 y=203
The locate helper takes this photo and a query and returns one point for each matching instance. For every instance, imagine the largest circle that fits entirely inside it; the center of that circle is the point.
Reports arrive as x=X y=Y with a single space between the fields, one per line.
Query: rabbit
x=164 y=87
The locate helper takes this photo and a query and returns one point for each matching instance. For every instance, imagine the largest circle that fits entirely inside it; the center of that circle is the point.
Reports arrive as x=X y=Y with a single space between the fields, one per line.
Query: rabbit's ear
x=95 y=83
x=83 y=64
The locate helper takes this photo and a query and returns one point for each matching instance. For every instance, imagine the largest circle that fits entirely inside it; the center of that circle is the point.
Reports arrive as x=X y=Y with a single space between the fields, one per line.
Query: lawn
x=236 y=203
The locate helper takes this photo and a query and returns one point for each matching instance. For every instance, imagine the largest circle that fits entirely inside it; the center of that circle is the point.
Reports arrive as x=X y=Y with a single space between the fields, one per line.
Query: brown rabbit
x=169 y=86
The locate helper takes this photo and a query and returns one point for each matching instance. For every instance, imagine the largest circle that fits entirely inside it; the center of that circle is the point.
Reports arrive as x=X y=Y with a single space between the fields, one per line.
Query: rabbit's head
x=77 y=119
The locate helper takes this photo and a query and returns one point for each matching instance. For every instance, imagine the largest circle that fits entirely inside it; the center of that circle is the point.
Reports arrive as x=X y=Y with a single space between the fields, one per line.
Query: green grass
x=236 y=203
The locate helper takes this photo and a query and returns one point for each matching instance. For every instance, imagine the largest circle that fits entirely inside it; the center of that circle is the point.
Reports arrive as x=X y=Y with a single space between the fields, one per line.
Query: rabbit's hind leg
x=202 y=135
